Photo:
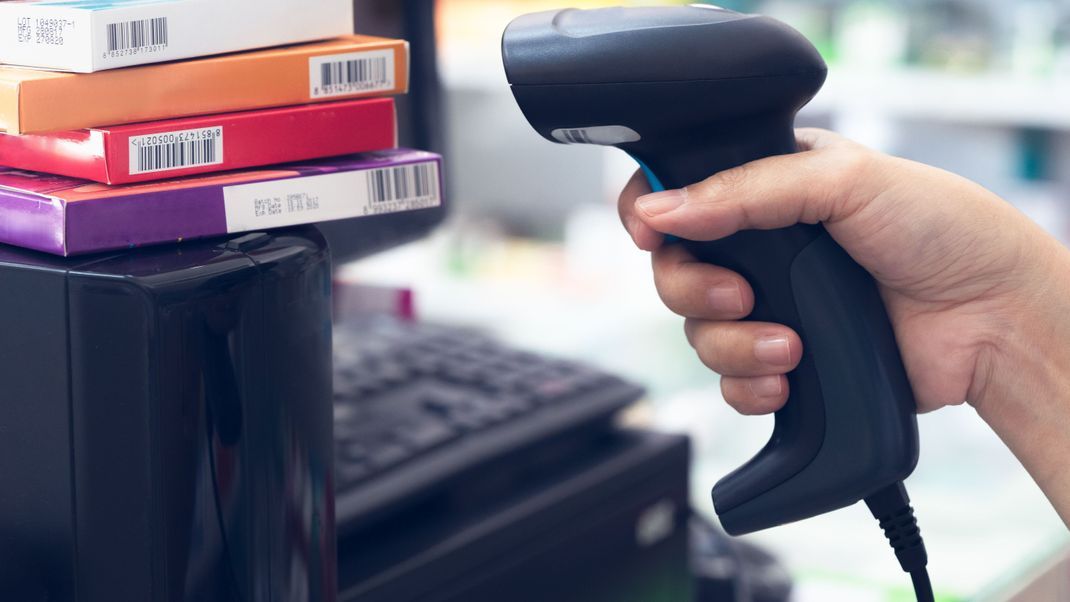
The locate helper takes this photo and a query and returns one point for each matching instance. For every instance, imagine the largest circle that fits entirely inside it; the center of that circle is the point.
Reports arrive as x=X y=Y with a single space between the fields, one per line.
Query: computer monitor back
x=166 y=423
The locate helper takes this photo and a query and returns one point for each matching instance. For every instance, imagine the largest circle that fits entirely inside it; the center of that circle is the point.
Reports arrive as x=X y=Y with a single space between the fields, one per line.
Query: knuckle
x=723 y=182
x=665 y=276
x=669 y=298
x=728 y=388
x=852 y=159
x=670 y=279
x=709 y=355
x=716 y=352
x=851 y=166
x=708 y=349
x=690 y=324
x=734 y=395
x=734 y=177
x=811 y=138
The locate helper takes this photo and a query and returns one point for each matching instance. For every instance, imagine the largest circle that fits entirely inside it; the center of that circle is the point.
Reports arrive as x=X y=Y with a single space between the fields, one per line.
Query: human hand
x=976 y=292
x=961 y=271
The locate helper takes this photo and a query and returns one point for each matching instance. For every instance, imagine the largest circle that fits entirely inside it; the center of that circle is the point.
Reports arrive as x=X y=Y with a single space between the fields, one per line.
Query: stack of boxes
x=126 y=126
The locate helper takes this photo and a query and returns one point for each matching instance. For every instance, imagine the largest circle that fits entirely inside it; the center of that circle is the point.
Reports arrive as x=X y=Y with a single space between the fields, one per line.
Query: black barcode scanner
x=689 y=91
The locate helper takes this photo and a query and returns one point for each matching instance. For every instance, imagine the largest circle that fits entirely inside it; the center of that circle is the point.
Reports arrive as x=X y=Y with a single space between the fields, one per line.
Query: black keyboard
x=421 y=410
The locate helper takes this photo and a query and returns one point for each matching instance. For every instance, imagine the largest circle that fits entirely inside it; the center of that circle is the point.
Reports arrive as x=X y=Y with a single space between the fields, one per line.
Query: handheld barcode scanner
x=692 y=90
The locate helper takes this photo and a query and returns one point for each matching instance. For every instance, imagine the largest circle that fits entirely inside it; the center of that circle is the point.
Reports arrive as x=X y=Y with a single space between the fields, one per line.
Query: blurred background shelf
x=983 y=99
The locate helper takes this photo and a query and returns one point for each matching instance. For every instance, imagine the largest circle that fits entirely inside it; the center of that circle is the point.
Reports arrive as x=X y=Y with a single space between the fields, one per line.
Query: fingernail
x=727 y=298
x=661 y=202
x=765 y=386
x=775 y=351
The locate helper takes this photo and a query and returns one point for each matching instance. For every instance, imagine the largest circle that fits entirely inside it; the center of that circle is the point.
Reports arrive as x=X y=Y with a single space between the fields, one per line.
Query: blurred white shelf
x=472 y=69
x=990 y=99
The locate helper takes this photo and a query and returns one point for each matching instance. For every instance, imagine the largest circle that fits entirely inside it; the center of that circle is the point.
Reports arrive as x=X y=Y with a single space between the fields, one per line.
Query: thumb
x=820 y=184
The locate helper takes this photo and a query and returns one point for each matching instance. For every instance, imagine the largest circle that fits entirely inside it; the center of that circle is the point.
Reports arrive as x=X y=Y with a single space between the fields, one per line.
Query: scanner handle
x=848 y=427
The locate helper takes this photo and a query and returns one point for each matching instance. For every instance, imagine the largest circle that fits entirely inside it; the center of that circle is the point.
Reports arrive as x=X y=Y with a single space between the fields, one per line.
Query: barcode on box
x=371 y=71
x=351 y=73
x=176 y=150
x=320 y=198
x=406 y=183
x=144 y=35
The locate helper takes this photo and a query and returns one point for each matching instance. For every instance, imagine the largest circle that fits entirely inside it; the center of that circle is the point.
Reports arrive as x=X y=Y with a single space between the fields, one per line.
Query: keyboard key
x=498 y=413
x=515 y=406
x=348 y=430
x=353 y=452
x=460 y=375
x=468 y=421
x=424 y=366
x=387 y=455
x=392 y=374
x=553 y=390
x=426 y=435
x=349 y=474
x=440 y=401
x=342 y=411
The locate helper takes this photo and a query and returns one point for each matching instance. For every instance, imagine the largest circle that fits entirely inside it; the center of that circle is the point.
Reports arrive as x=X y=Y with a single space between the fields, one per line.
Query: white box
x=93 y=35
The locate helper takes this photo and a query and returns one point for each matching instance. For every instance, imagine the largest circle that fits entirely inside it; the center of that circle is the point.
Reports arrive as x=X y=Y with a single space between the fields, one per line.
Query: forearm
x=1034 y=422
x=1024 y=385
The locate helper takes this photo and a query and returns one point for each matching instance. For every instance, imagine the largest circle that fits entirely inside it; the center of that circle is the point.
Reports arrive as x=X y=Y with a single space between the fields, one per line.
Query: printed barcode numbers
x=404 y=183
x=353 y=73
x=145 y=35
x=176 y=150
x=43 y=31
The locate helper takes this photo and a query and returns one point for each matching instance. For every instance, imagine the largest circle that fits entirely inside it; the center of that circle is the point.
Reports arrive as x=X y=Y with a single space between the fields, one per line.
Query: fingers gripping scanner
x=689 y=91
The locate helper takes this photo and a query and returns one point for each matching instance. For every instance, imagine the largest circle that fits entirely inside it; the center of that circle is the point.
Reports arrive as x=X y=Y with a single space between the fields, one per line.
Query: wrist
x=1021 y=384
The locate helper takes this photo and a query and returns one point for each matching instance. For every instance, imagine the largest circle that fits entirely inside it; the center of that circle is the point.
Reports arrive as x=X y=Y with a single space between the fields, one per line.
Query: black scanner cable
x=891 y=507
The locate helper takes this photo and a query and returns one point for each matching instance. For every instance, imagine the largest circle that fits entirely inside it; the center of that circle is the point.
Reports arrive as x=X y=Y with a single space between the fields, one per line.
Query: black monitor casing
x=166 y=423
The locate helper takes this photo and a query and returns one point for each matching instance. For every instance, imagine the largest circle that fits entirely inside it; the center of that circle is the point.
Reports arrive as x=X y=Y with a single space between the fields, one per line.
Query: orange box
x=33 y=101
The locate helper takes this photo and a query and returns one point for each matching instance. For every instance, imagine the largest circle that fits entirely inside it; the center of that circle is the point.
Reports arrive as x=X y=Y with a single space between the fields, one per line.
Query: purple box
x=65 y=216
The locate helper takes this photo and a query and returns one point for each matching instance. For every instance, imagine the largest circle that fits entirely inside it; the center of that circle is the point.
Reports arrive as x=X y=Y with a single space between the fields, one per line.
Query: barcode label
x=599 y=134
x=575 y=136
x=406 y=183
x=325 y=197
x=130 y=37
x=176 y=150
x=352 y=73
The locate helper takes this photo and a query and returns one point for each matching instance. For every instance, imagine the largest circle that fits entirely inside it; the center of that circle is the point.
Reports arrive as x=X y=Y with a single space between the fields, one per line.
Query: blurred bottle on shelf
x=957 y=35
x=815 y=20
x=1062 y=45
x=1033 y=46
x=871 y=35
